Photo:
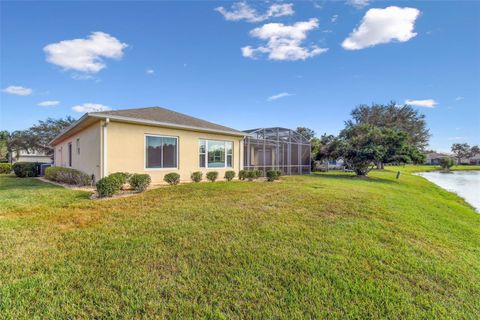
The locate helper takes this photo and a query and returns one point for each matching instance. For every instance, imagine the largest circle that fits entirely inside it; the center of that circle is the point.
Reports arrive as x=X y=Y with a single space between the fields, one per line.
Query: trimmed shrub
x=271 y=175
x=279 y=174
x=258 y=173
x=446 y=163
x=172 y=178
x=140 y=182
x=196 y=176
x=241 y=174
x=25 y=169
x=212 y=176
x=107 y=187
x=121 y=178
x=5 y=168
x=229 y=175
x=250 y=175
x=68 y=176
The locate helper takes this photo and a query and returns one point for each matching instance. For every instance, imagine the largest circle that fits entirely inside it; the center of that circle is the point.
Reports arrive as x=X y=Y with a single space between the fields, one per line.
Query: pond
x=464 y=183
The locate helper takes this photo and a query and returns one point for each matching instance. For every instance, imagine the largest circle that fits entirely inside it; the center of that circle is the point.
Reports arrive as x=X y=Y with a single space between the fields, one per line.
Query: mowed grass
x=321 y=246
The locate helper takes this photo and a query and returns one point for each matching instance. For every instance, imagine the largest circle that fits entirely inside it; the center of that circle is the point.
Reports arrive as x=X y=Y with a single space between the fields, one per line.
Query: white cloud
x=427 y=103
x=457 y=138
x=82 y=76
x=85 y=55
x=242 y=11
x=284 y=41
x=90 y=107
x=150 y=71
x=279 y=96
x=334 y=18
x=459 y=98
x=383 y=26
x=358 y=3
x=49 y=103
x=18 y=90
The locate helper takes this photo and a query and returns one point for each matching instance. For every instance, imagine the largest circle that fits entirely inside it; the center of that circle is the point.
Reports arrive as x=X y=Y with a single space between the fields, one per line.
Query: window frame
x=225 y=166
x=145 y=168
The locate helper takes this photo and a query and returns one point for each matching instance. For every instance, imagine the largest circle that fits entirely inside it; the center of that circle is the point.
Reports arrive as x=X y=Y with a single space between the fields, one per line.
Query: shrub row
x=273 y=175
x=212 y=176
x=67 y=175
x=5 y=168
x=112 y=184
x=25 y=169
x=251 y=175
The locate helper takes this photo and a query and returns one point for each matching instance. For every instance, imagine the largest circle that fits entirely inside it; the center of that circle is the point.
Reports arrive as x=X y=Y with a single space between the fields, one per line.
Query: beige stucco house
x=152 y=140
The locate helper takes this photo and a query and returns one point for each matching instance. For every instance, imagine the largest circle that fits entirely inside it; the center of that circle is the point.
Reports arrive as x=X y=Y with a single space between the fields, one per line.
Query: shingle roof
x=162 y=115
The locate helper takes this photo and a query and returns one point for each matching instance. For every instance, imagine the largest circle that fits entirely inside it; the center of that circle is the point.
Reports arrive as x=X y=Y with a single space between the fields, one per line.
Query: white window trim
x=145 y=152
x=206 y=154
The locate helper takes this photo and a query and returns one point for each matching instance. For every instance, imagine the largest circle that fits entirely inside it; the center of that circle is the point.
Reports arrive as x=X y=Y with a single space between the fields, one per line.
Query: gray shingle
x=167 y=116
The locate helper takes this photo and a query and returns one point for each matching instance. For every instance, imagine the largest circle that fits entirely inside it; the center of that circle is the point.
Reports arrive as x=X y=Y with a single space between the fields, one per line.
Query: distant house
x=473 y=160
x=433 y=158
x=31 y=156
x=158 y=141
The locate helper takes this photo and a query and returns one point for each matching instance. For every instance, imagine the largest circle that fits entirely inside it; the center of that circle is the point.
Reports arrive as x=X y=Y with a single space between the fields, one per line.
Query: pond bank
x=464 y=183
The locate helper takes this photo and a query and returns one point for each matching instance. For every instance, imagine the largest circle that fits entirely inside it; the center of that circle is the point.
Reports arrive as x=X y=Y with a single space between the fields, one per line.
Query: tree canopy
x=36 y=138
x=402 y=118
x=463 y=150
x=42 y=133
x=308 y=133
x=360 y=146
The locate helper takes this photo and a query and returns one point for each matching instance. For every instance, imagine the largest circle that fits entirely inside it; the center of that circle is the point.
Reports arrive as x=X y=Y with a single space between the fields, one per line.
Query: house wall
x=89 y=159
x=126 y=150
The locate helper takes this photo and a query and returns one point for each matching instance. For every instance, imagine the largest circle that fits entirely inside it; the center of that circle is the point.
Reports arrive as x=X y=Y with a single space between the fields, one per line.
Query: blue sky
x=302 y=64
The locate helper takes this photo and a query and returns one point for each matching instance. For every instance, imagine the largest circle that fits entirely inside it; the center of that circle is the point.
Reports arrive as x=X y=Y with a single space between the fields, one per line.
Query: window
x=215 y=154
x=161 y=152
x=78 y=145
x=229 y=147
x=69 y=154
x=203 y=152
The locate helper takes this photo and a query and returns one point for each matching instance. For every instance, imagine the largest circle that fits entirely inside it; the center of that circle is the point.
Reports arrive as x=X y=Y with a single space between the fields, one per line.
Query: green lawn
x=321 y=246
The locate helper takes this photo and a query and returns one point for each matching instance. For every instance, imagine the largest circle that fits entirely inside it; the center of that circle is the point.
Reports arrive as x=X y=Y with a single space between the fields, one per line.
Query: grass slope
x=326 y=245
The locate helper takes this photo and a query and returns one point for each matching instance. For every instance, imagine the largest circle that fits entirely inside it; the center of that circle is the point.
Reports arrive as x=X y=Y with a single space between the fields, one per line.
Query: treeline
x=375 y=135
x=34 y=139
x=464 y=151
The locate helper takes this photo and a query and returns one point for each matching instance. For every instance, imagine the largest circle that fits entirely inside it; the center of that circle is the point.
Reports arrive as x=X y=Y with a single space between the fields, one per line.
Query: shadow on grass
x=351 y=177
x=26 y=186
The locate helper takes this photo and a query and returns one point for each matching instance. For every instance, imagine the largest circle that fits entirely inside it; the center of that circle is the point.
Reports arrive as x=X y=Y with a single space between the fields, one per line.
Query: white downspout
x=104 y=150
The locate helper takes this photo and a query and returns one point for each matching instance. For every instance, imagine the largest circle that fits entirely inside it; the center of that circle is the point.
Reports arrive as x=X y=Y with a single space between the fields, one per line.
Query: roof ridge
x=164 y=115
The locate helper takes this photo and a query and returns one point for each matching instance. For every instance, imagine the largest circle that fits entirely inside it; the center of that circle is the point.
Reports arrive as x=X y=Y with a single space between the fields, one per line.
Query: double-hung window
x=161 y=152
x=215 y=154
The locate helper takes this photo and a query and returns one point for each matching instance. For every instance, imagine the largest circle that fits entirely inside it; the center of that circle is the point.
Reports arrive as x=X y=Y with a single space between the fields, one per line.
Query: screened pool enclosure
x=277 y=149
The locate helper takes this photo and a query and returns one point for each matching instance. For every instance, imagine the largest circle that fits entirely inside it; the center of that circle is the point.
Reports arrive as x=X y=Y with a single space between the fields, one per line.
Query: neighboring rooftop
x=433 y=155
